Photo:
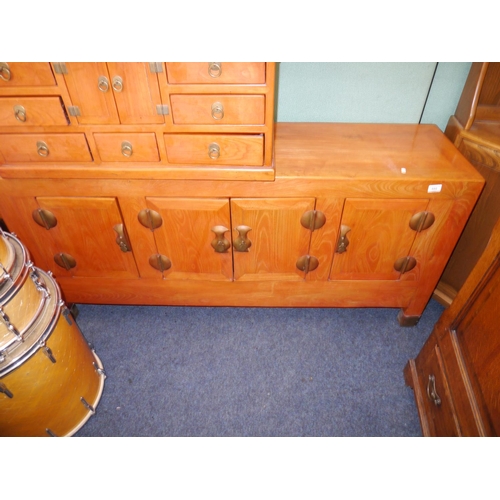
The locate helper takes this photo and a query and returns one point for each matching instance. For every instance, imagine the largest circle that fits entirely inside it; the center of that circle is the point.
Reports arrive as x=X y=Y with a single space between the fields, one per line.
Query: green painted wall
x=413 y=92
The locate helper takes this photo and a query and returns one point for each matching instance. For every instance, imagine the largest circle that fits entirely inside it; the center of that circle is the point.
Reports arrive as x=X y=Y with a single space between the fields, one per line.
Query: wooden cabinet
x=216 y=205
x=456 y=375
x=164 y=120
x=475 y=131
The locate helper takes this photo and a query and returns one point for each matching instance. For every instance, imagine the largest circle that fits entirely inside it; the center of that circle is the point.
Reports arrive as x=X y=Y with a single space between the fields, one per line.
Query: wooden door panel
x=186 y=236
x=85 y=231
x=138 y=94
x=277 y=237
x=379 y=235
x=96 y=106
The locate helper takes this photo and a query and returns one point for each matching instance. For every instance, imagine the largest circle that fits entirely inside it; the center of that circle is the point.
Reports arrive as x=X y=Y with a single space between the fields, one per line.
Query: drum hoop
x=40 y=341
x=20 y=274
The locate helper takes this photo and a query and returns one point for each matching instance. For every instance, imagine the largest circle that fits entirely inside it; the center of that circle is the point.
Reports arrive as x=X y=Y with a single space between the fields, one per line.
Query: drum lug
x=89 y=407
x=67 y=314
x=9 y=325
x=51 y=433
x=4 y=390
x=99 y=370
x=48 y=352
x=36 y=280
x=5 y=274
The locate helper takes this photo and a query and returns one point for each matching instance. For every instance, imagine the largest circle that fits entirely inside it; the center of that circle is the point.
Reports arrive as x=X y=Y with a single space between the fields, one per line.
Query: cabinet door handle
x=217 y=111
x=103 y=84
x=20 y=113
x=343 y=242
x=220 y=243
x=117 y=83
x=242 y=242
x=122 y=239
x=214 y=69
x=5 y=73
x=65 y=260
x=431 y=391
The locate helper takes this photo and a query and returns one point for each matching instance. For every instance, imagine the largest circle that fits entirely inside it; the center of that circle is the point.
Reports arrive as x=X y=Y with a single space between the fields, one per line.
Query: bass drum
x=22 y=295
x=52 y=381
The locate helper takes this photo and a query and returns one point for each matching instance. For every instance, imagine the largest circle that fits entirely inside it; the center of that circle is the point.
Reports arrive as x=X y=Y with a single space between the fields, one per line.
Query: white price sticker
x=434 y=188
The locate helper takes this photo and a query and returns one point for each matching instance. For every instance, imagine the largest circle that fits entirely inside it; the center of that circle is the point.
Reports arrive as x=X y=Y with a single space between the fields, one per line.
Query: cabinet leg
x=407 y=320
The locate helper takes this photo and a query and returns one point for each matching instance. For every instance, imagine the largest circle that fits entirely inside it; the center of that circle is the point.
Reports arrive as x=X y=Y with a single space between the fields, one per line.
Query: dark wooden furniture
x=475 y=131
x=456 y=376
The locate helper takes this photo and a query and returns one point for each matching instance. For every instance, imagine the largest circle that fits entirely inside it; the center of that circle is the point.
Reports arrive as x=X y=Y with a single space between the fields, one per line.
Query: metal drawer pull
x=20 y=113
x=127 y=149
x=103 y=84
x=242 y=243
x=431 y=391
x=5 y=72
x=42 y=149
x=214 y=69
x=213 y=151
x=217 y=111
x=117 y=84
x=220 y=243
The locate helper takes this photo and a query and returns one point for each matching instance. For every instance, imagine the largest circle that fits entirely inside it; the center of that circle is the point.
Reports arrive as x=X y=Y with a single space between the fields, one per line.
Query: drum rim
x=19 y=275
x=47 y=327
x=8 y=245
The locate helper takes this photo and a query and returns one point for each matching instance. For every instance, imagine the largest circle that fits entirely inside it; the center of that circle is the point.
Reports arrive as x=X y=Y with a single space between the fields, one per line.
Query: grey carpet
x=182 y=371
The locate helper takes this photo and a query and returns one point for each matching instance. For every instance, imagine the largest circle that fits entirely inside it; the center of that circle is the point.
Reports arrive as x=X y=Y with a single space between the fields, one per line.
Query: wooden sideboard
x=456 y=376
x=345 y=215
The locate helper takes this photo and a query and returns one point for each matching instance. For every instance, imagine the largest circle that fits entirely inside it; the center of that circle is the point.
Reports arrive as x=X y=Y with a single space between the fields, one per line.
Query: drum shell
x=22 y=295
x=46 y=396
x=8 y=259
x=6 y=255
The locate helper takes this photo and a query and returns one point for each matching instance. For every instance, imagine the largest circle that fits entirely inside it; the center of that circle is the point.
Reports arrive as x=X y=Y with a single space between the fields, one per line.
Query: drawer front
x=18 y=74
x=215 y=149
x=218 y=109
x=481 y=155
x=20 y=148
x=438 y=405
x=216 y=73
x=25 y=111
x=127 y=147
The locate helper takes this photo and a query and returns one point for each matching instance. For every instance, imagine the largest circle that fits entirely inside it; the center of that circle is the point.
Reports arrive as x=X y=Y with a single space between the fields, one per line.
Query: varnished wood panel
x=85 y=231
x=231 y=72
x=28 y=74
x=237 y=110
x=185 y=237
x=277 y=237
x=44 y=111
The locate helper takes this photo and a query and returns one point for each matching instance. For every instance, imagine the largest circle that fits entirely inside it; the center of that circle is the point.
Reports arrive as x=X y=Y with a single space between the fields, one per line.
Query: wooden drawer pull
x=214 y=69
x=42 y=149
x=5 y=72
x=431 y=391
x=20 y=113
x=213 y=151
x=127 y=149
x=217 y=111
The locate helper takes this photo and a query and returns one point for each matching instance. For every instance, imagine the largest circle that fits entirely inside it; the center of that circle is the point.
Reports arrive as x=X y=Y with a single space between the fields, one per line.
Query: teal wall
x=370 y=92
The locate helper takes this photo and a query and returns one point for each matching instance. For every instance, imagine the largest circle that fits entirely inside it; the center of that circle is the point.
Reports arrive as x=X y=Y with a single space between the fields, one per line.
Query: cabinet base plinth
x=407 y=320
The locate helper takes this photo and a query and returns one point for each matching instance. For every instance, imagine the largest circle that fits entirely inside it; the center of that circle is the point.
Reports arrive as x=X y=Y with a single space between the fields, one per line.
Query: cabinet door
x=89 y=87
x=85 y=238
x=136 y=92
x=378 y=234
x=186 y=234
x=277 y=239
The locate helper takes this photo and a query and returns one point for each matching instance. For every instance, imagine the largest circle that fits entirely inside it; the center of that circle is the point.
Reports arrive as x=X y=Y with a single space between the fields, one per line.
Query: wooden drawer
x=438 y=406
x=25 y=111
x=216 y=73
x=482 y=155
x=215 y=149
x=20 y=148
x=218 y=109
x=127 y=147
x=18 y=74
